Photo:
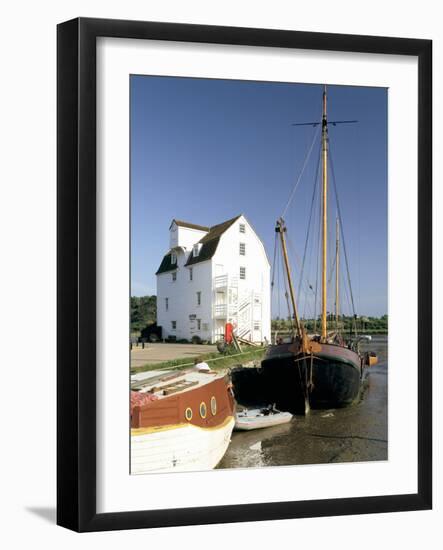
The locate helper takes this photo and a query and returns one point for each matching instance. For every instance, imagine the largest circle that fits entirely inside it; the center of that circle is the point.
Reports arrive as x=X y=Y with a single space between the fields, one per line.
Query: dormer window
x=196 y=249
x=242 y=228
x=173 y=258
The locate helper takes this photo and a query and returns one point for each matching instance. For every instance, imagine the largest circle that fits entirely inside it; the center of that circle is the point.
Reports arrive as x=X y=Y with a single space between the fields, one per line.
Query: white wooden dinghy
x=253 y=419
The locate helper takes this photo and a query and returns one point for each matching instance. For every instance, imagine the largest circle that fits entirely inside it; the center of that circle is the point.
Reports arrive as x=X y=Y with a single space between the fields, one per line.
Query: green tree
x=143 y=312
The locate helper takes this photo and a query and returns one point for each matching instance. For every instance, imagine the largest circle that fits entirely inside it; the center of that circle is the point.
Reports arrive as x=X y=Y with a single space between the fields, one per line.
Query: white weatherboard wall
x=184 y=236
x=257 y=268
x=182 y=298
x=183 y=307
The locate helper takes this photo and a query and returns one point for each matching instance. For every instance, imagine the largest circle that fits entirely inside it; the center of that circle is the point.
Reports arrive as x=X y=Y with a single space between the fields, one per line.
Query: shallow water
x=357 y=433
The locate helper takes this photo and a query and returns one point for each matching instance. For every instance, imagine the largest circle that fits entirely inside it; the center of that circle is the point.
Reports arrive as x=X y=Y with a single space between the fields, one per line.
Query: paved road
x=157 y=353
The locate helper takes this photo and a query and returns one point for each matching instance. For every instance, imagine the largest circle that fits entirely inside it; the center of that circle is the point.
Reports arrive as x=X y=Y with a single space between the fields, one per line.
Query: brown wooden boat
x=180 y=421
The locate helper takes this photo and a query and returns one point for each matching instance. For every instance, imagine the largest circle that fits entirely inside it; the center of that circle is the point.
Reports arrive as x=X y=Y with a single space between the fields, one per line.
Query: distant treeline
x=364 y=324
x=143 y=312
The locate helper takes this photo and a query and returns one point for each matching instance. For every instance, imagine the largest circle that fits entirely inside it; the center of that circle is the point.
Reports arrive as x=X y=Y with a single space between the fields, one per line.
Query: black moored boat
x=323 y=370
x=330 y=378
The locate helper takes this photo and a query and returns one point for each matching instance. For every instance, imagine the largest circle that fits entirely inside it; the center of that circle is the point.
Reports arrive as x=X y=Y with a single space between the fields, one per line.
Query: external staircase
x=237 y=305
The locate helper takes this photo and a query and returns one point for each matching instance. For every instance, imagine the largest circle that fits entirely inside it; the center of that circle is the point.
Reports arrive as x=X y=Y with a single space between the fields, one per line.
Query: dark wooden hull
x=333 y=379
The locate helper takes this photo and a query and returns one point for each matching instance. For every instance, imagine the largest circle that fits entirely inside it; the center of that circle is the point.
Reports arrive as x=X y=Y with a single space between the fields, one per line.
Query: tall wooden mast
x=281 y=229
x=337 y=273
x=324 y=297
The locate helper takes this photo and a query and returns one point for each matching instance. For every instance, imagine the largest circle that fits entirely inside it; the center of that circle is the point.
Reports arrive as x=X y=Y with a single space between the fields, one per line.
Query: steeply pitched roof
x=206 y=252
x=209 y=244
x=166 y=265
x=181 y=223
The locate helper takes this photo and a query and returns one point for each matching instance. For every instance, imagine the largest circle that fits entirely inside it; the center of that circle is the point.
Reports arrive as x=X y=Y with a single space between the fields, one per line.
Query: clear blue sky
x=207 y=150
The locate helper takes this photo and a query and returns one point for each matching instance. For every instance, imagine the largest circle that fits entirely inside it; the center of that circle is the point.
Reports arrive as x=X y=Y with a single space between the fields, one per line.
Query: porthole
x=203 y=409
x=213 y=406
x=188 y=414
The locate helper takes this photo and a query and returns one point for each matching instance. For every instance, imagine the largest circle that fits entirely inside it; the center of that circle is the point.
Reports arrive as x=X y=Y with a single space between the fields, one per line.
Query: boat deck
x=165 y=383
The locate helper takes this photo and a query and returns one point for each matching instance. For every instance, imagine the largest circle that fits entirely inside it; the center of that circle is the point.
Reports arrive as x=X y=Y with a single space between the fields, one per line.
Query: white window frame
x=242 y=249
x=174 y=276
x=199 y=297
x=242 y=227
x=173 y=325
x=166 y=304
x=199 y=324
x=242 y=269
x=191 y=274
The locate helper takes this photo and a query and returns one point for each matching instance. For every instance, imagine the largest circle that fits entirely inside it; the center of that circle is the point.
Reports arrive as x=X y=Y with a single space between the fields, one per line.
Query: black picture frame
x=76 y=265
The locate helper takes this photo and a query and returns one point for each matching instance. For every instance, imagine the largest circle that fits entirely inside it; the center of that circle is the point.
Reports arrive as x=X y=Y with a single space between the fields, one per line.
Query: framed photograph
x=244 y=247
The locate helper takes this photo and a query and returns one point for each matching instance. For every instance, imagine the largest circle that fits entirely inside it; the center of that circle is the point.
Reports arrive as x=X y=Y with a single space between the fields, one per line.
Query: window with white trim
x=242 y=272
x=256 y=325
x=199 y=324
x=242 y=249
x=242 y=228
x=190 y=274
x=199 y=298
x=173 y=325
x=174 y=275
x=166 y=304
x=173 y=258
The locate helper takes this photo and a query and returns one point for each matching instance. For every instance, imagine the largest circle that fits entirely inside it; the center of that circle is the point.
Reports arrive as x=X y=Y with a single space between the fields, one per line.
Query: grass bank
x=215 y=360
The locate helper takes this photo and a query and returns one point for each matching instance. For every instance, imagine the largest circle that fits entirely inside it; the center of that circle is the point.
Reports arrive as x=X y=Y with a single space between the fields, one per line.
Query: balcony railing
x=224 y=281
x=221 y=310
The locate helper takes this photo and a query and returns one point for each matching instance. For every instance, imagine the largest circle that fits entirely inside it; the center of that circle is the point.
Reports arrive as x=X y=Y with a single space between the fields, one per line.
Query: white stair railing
x=237 y=307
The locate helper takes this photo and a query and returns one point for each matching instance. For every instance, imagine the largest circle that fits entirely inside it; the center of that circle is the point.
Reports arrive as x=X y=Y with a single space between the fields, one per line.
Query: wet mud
x=357 y=433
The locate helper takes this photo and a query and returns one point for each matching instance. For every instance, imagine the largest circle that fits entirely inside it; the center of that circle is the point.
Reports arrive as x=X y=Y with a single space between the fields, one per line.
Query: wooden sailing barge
x=322 y=370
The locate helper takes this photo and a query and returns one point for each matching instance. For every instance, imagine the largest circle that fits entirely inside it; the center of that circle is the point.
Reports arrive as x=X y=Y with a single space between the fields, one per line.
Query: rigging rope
x=273 y=264
x=348 y=301
x=309 y=221
x=291 y=196
x=291 y=248
x=317 y=271
x=276 y=275
x=331 y=272
x=280 y=275
x=278 y=283
x=285 y=282
x=341 y=229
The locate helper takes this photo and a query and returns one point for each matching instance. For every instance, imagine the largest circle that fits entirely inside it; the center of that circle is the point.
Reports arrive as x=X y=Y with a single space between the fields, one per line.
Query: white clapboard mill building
x=212 y=275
